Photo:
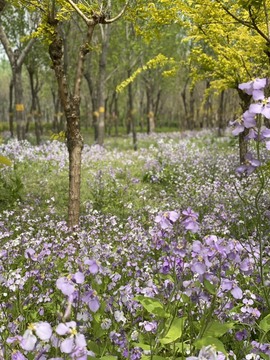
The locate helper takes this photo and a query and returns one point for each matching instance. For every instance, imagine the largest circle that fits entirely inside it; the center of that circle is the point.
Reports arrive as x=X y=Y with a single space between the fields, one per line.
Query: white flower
x=119 y=316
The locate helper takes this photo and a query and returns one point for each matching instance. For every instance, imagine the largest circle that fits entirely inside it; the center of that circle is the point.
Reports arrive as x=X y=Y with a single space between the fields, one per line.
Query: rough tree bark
x=71 y=105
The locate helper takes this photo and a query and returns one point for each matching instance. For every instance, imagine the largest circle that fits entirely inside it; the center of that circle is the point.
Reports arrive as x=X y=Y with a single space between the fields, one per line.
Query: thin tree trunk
x=150 y=110
x=19 y=102
x=11 y=109
x=105 y=32
x=94 y=99
x=131 y=114
x=220 y=114
x=35 y=110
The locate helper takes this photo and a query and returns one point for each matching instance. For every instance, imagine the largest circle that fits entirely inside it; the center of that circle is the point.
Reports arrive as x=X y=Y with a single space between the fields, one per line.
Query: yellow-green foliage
x=61 y=136
x=4 y=161
x=158 y=61
x=224 y=50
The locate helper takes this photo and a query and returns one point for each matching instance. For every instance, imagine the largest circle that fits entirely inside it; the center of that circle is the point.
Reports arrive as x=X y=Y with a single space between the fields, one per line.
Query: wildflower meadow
x=171 y=258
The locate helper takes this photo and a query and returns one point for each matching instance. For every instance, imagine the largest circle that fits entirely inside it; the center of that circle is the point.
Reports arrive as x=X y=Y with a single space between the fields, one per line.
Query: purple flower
x=65 y=285
x=238 y=126
x=262 y=107
x=75 y=340
x=265 y=135
x=43 y=331
x=190 y=220
x=249 y=166
x=91 y=299
x=241 y=335
x=29 y=340
x=17 y=355
x=246 y=121
x=249 y=119
x=207 y=352
x=149 y=326
x=93 y=266
x=167 y=219
x=228 y=285
x=78 y=277
x=254 y=88
x=198 y=268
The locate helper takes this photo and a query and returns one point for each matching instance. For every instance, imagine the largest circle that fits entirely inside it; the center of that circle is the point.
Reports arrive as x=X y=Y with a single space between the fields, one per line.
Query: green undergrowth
x=122 y=185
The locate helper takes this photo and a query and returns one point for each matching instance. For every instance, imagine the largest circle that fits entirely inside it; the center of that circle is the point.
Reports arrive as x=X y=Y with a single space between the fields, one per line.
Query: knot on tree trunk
x=56 y=50
x=99 y=18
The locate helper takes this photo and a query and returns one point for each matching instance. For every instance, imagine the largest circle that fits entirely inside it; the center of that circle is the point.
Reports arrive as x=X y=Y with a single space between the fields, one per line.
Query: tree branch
x=109 y=21
x=251 y=25
x=82 y=15
x=25 y=51
x=6 y=44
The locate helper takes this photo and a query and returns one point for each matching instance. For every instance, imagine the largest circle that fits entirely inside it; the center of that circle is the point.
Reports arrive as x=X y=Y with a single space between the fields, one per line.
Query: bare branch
x=25 y=51
x=6 y=44
x=109 y=21
x=82 y=15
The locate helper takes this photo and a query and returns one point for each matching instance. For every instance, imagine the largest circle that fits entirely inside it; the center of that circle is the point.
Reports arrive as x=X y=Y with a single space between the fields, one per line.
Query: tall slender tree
x=53 y=15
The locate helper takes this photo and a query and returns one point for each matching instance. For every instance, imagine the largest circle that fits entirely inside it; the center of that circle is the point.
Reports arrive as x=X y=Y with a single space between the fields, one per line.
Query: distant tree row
x=161 y=96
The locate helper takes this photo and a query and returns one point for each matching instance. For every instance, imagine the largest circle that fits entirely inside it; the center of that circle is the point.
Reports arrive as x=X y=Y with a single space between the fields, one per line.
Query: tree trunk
x=150 y=110
x=94 y=99
x=19 y=103
x=35 y=110
x=11 y=109
x=131 y=114
x=71 y=105
x=220 y=114
x=105 y=32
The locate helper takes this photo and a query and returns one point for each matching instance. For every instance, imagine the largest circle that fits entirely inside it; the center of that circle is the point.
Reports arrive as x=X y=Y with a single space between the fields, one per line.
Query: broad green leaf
x=217 y=329
x=175 y=331
x=108 y=357
x=91 y=345
x=209 y=287
x=209 y=340
x=143 y=346
x=265 y=323
x=5 y=161
x=153 y=306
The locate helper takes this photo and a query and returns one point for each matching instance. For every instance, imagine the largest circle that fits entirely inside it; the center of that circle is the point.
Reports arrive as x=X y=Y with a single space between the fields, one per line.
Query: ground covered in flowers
x=171 y=259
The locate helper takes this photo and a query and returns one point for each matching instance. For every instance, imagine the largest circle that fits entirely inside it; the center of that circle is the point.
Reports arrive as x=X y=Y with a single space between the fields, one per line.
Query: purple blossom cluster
x=117 y=286
x=252 y=120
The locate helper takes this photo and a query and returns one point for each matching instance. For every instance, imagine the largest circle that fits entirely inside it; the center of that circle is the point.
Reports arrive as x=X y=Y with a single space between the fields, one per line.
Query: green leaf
x=143 y=346
x=175 y=331
x=265 y=323
x=91 y=345
x=5 y=161
x=153 y=306
x=209 y=287
x=209 y=340
x=108 y=357
x=217 y=329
